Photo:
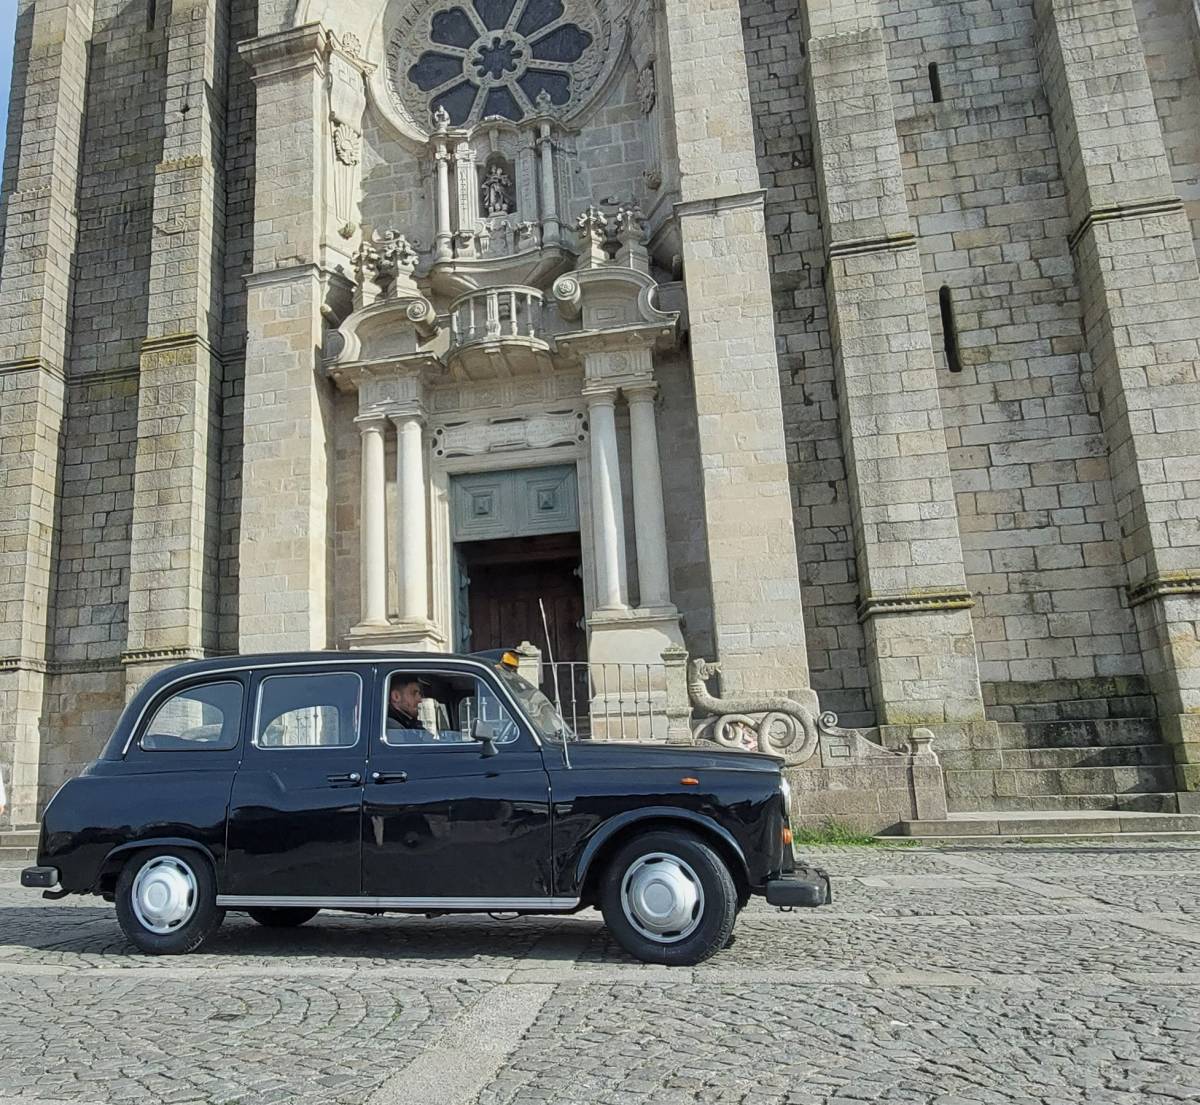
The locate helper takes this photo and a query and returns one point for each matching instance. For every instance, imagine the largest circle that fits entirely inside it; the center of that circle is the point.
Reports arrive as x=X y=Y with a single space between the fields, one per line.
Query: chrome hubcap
x=164 y=894
x=662 y=898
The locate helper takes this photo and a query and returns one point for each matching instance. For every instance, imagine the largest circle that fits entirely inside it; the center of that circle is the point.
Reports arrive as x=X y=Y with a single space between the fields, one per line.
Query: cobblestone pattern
x=961 y=976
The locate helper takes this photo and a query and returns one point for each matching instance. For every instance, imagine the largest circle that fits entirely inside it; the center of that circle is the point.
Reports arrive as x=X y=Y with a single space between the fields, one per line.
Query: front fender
x=659 y=814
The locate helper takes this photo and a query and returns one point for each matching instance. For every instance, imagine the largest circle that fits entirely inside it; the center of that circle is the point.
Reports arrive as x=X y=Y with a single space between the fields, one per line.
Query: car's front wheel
x=167 y=901
x=667 y=897
x=281 y=917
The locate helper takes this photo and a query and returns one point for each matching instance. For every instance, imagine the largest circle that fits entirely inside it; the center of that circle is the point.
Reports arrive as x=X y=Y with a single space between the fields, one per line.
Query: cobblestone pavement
x=1007 y=975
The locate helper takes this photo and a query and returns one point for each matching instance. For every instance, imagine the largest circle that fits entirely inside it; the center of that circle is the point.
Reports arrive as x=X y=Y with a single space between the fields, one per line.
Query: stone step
x=1049 y=781
x=1162 y=802
x=19 y=838
x=979 y=827
x=1079 y=734
x=1098 y=755
x=17 y=857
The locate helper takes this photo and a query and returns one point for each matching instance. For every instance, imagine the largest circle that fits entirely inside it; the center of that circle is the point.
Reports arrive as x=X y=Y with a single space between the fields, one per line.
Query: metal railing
x=496 y=313
x=610 y=701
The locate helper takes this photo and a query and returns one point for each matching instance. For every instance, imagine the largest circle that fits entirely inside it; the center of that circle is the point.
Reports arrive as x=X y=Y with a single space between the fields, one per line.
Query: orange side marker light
x=688 y=781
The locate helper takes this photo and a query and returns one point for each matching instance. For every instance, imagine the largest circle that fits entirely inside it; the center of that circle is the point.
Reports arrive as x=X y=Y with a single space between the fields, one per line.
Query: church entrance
x=505 y=579
x=517 y=544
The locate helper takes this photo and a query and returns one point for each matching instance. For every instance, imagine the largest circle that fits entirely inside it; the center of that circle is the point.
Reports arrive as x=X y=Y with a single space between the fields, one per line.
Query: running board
x=472 y=905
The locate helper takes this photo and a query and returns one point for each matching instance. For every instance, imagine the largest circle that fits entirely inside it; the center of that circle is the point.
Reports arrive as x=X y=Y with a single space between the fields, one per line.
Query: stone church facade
x=851 y=344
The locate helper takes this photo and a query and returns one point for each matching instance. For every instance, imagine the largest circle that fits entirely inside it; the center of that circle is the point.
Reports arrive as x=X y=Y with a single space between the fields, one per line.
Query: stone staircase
x=1100 y=777
x=18 y=847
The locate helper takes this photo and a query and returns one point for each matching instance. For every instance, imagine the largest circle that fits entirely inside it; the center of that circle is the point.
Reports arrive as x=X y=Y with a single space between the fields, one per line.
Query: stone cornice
x=31 y=364
x=182 y=340
x=167 y=655
x=285 y=274
x=1165 y=585
x=1163 y=205
x=286 y=52
x=887 y=243
x=718 y=205
x=23 y=663
x=914 y=602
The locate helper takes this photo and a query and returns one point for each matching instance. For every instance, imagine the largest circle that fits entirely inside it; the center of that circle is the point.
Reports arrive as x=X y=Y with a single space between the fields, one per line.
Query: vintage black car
x=282 y=785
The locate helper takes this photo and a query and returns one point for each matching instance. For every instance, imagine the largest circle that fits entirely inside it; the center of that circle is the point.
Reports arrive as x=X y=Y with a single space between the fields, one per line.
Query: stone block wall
x=821 y=507
x=1027 y=451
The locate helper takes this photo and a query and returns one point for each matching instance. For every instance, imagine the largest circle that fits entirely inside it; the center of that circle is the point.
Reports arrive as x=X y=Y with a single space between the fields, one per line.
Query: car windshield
x=547 y=722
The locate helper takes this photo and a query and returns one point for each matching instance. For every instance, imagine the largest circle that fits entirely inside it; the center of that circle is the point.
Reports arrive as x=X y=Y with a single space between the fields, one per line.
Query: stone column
x=35 y=283
x=757 y=615
x=176 y=492
x=411 y=523
x=912 y=582
x=649 y=518
x=608 y=524
x=284 y=546
x=372 y=525
x=1141 y=309
x=445 y=234
x=551 y=228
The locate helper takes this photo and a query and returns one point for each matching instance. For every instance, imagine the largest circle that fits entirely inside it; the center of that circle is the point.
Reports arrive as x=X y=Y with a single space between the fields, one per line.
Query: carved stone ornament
x=347 y=144
x=646 y=89
x=539 y=431
x=780 y=726
x=352 y=44
x=384 y=266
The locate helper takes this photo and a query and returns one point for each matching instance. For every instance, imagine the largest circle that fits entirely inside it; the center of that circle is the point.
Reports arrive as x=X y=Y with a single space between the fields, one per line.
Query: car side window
x=207 y=718
x=437 y=708
x=308 y=711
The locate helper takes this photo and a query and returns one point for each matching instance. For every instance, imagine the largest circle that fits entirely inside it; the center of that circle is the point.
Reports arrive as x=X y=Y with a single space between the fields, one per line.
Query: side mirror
x=485 y=733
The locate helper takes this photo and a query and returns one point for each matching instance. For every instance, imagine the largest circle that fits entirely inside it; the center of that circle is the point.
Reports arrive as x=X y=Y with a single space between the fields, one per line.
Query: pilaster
x=913 y=593
x=35 y=279
x=757 y=614
x=1141 y=305
x=283 y=549
x=173 y=575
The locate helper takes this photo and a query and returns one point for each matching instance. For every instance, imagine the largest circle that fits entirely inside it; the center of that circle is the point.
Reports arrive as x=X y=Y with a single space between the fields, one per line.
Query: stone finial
x=631 y=232
x=441 y=120
x=398 y=260
x=593 y=237
x=366 y=273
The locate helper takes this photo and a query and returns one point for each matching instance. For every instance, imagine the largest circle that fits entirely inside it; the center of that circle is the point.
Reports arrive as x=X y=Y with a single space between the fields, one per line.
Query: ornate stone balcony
x=499 y=332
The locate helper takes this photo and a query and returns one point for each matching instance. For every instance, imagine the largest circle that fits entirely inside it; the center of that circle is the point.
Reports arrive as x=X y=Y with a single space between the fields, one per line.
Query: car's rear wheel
x=167 y=902
x=279 y=917
x=667 y=897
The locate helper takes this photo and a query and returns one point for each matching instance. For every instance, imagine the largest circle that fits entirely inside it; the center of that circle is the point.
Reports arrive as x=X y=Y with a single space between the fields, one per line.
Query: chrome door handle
x=389 y=776
x=352 y=777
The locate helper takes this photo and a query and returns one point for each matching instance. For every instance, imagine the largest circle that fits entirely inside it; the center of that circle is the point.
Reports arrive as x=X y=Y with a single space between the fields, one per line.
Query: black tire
x=713 y=916
x=278 y=917
x=203 y=915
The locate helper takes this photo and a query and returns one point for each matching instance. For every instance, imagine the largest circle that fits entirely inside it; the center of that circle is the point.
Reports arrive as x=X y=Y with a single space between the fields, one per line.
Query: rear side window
x=308 y=711
x=207 y=718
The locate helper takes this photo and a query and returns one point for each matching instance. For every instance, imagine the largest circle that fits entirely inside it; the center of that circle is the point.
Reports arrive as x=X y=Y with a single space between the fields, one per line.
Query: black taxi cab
x=282 y=785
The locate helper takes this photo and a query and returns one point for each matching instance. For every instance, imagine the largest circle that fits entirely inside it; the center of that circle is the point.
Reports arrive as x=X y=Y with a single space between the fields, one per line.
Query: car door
x=296 y=807
x=442 y=822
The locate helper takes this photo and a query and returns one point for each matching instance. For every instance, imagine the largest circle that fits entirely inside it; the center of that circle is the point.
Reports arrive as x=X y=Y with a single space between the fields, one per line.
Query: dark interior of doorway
x=504 y=581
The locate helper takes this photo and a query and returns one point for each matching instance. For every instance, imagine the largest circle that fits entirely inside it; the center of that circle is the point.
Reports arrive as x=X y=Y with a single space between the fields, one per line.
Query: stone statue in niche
x=497 y=193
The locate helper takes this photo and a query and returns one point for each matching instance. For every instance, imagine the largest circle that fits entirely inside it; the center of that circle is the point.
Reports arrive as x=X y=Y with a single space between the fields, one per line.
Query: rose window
x=498 y=57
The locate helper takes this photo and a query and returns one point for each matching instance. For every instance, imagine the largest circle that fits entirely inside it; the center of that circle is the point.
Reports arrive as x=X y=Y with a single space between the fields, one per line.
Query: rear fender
x=119 y=856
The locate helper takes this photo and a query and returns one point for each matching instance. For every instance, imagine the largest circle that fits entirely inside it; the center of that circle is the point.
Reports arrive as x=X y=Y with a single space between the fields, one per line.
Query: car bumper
x=806 y=886
x=43 y=878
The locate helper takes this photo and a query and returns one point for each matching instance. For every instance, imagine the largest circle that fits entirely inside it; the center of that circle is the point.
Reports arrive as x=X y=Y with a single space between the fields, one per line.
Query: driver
x=404 y=702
